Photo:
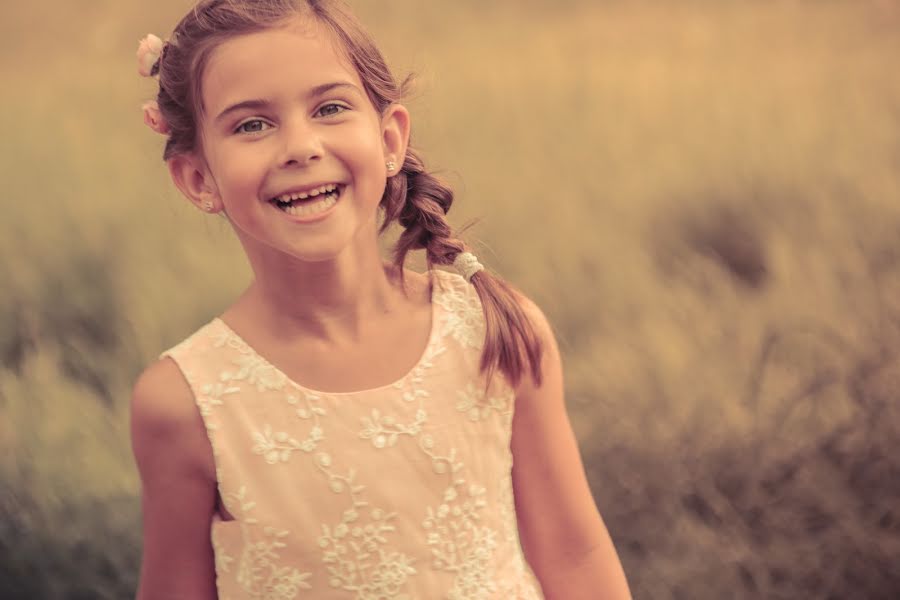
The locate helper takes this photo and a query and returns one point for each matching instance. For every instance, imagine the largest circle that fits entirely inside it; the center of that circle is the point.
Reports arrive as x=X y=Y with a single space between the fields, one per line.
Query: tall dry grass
x=709 y=194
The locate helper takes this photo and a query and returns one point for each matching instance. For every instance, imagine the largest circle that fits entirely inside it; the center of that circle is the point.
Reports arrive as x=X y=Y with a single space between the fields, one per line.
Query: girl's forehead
x=286 y=60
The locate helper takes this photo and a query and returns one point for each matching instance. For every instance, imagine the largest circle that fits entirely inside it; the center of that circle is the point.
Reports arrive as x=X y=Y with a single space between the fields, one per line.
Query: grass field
x=710 y=194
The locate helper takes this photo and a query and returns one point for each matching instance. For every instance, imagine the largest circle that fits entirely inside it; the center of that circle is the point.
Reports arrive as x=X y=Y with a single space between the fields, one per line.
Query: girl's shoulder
x=162 y=394
x=164 y=417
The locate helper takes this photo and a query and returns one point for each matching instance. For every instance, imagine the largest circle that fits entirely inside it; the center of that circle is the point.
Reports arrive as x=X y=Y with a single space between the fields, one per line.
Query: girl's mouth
x=312 y=205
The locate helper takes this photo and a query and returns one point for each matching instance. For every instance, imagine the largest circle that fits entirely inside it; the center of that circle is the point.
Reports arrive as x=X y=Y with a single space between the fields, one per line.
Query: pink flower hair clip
x=153 y=118
x=149 y=51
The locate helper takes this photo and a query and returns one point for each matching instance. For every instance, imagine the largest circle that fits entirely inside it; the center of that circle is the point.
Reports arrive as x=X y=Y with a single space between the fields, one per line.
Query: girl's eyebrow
x=263 y=103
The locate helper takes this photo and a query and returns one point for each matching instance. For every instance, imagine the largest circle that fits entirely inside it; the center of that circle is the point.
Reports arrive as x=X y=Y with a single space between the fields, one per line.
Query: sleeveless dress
x=398 y=492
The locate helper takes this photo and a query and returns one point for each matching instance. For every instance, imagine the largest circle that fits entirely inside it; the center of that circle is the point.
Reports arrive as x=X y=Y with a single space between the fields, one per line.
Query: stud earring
x=207 y=205
x=391 y=165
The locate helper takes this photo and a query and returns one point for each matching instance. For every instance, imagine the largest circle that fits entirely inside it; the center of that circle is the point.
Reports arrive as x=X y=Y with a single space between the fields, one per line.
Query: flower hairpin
x=153 y=118
x=149 y=51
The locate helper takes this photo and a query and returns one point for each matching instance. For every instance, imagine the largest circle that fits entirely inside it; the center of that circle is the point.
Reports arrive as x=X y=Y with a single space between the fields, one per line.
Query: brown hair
x=414 y=197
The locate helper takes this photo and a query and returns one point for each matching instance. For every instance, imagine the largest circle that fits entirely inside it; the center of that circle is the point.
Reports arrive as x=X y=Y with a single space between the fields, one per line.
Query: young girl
x=347 y=428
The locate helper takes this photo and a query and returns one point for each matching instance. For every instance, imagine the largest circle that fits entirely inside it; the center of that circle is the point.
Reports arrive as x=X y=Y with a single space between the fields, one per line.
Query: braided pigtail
x=419 y=201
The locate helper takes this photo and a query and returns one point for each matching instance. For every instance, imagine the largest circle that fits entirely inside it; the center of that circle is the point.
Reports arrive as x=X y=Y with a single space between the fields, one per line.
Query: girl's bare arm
x=563 y=535
x=177 y=472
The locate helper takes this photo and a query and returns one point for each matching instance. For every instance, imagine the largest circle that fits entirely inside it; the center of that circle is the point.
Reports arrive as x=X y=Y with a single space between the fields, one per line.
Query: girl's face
x=285 y=113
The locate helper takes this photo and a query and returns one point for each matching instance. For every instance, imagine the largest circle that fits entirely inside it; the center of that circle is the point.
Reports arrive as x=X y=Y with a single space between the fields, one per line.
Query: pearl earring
x=391 y=165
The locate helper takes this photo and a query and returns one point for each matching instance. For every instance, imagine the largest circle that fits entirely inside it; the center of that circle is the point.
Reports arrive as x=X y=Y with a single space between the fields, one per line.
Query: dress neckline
x=246 y=348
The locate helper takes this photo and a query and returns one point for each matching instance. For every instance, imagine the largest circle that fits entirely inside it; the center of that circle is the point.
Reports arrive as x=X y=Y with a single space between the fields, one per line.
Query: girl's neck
x=337 y=302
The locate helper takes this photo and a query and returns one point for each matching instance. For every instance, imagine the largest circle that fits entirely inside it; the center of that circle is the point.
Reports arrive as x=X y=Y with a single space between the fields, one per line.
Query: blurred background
x=703 y=196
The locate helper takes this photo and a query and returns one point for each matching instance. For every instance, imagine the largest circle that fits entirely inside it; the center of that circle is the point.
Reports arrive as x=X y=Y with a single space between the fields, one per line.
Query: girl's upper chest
x=388 y=351
x=383 y=357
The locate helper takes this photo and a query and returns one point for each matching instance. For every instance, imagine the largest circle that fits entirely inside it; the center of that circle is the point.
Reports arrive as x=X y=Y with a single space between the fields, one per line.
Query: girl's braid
x=419 y=201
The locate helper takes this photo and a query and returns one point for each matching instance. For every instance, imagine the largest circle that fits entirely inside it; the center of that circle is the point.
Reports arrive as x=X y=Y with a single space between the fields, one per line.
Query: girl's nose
x=302 y=145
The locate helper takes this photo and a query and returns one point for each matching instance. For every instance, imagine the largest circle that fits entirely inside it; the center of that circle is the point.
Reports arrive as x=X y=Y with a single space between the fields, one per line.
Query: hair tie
x=467 y=265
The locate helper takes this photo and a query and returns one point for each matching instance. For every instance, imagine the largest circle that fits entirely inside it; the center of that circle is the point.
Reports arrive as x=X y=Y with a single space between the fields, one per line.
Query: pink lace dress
x=398 y=492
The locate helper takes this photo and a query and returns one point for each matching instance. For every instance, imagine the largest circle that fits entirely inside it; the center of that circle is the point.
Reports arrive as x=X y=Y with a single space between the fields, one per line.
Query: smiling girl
x=346 y=428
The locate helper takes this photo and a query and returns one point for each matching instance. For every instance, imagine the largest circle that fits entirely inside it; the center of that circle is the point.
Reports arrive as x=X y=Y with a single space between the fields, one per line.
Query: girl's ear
x=395 y=133
x=194 y=180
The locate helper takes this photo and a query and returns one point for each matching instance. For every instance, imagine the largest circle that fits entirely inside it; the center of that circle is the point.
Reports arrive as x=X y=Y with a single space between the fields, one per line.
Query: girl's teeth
x=312 y=207
x=310 y=194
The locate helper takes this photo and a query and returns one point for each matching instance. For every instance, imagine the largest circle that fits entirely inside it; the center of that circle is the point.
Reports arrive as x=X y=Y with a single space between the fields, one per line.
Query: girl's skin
x=321 y=291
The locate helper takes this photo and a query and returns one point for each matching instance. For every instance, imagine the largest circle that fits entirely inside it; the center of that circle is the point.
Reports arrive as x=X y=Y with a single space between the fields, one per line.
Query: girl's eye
x=256 y=125
x=328 y=110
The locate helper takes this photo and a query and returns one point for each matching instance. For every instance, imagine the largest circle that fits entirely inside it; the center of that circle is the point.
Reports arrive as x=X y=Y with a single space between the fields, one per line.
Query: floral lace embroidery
x=473 y=403
x=463 y=314
x=278 y=446
x=208 y=398
x=440 y=464
x=383 y=430
x=211 y=396
x=356 y=560
x=220 y=555
x=258 y=572
x=518 y=589
x=353 y=548
x=251 y=367
x=459 y=544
